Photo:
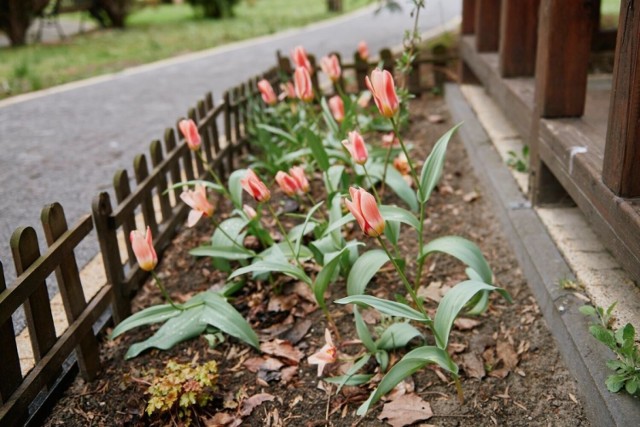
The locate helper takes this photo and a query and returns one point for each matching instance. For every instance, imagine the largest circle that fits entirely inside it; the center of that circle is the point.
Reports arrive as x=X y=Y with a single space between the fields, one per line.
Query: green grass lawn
x=153 y=33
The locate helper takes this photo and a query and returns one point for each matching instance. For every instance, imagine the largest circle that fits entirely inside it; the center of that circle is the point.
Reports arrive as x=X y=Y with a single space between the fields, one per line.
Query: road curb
x=543 y=266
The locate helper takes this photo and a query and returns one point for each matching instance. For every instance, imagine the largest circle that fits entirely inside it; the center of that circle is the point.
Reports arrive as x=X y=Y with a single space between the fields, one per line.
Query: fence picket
x=174 y=168
x=54 y=224
x=215 y=134
x=106 y=230
x=10 y=366
x=157 y=157
x=187 y=159
x=123 y=190
x=205 y=130
x=141 y=171
x=25 y=249
x=226 y=97
x=314 y=75
x=340 y=81
x=199 y=164
x=386 y=56
x=361 y=67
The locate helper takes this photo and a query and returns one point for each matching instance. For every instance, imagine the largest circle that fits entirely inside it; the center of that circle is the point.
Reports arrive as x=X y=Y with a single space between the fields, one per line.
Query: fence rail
x=153 y=202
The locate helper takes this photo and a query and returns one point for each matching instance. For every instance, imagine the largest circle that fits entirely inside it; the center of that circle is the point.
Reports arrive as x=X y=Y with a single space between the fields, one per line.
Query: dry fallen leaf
x=256 y=400
x=465 y=324
x=473 y=366
x=433 y=291
x=282 y=349
x=507 y=354
x=222 y=419
x=406 y=410
x=470 y=197
x=435 y=118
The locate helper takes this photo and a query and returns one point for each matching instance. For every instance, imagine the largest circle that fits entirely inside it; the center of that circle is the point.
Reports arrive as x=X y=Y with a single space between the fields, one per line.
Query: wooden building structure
x=583 y=128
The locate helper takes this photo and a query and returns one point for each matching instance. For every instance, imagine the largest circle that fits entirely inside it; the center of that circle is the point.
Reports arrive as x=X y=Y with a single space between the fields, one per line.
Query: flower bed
x=506 y=355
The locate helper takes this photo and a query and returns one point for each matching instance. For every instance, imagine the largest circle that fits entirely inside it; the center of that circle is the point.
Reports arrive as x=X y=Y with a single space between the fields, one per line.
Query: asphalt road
x=65 y=144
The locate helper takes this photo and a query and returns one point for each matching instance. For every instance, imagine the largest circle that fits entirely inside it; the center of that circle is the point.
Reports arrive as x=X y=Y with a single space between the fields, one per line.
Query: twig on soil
x=326 y=412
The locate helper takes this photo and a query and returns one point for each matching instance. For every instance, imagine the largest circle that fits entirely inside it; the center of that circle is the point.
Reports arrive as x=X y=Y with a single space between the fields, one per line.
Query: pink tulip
x=337 y=108
x=190 y=132
x=249 y=212
x=364 y=99
x=299 y=56
x=331 y=67
x=383 y=90
x=356 y=147
x=200 y=206
x=363 y=50
x=255 y=187
x=287 y=183
x=364 y=208
x=327 y=354
x=287 y=91
x=390 y=140
x=402 y=164
x=302 y=80
x=298 y=174
x=142 y=245
x=266 y=90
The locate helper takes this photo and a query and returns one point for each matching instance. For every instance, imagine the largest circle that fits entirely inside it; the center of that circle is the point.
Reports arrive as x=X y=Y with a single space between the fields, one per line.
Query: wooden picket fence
x=154 y=202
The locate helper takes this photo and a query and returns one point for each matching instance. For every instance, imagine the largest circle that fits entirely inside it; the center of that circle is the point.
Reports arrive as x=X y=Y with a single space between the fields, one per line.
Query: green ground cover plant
x=152 y=34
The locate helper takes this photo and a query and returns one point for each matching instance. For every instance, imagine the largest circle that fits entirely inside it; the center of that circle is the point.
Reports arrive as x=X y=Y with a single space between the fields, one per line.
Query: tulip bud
x=298 y=174
x=200 y=206
x=383 y=90
x=390 y=140
x=304 y=89
x=255 y=187
x=402 y=164
x=364 y=99
x=287 y=91
x=363 y=50
x=299 y=56
x=190 y=132
x=142 y=245
x=331 y=67
x=364 y=208
x=356 y=147
x=249 y=212
x=287 y=183
x=266 y=90
x=337 y=108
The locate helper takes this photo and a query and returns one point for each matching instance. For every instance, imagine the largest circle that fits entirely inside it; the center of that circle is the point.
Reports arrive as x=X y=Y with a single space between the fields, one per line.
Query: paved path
x=64 y=144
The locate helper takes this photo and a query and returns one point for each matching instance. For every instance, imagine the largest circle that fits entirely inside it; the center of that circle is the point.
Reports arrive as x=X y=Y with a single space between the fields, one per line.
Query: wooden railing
x=224 y=131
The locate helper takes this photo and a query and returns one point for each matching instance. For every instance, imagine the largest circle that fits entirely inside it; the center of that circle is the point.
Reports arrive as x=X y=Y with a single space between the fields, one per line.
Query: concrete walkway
x=64 y=144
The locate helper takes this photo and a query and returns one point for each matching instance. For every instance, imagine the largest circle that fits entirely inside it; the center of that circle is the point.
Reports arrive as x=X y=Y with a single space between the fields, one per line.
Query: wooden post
x=123 y=190
x=518 y=37
x=87 y=353
x=199 y=165
x=386 y=56
x=621 y=168
x=10 y=366
x=236 y=115
x=174 y=169
x=205 y=131
x=562 y=59
x=361 y=69
x=187 y=160
x=141 y=172
x=284 y=64
x=564 y=39
x=155 y=151
x=314 y=75
x=487 y=25
x=468 y=17
x=215 y=134
x=106 y=230
x=25 y=249
x=226 y=98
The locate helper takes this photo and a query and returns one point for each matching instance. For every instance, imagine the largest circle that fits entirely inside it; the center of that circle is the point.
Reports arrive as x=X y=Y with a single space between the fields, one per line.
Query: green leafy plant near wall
x=621 y=341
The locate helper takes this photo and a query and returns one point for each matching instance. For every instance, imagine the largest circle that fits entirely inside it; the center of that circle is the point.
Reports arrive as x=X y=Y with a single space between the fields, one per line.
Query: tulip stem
x=386 y=165
x=164 y=292
x=223 y=231
x=285 y=235
x=405 y=281
x=414 y=175
x=313 y=203
x=373 y=187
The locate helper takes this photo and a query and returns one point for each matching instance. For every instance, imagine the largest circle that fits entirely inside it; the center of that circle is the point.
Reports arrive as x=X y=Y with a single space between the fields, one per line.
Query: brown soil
x=525 y=383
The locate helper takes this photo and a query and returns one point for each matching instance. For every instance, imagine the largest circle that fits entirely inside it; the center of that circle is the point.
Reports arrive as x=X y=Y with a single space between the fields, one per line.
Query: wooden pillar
x=518 y=37
x=621 y=168
x=564 y=39
x=562 y=59
x=487 y=25
x=468 y=16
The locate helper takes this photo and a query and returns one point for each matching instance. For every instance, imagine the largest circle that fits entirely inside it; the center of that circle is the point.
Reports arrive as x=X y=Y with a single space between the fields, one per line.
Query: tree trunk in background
x=334 y=5
x=116 y=10
x=16 y=17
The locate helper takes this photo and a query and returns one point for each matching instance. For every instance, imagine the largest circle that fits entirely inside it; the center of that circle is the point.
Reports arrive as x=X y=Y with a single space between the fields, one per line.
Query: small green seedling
x=519 y=162
x=621 y=341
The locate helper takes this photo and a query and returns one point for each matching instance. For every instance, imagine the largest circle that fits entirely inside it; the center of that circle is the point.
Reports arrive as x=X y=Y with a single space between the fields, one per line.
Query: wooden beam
x=621 y=168
x=564 y=40
x=487 y=25
x=518 y=37
x=468 y=16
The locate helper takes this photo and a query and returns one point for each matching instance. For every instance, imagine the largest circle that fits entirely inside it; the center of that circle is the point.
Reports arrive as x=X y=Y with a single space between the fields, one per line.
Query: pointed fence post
x=10 y=366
